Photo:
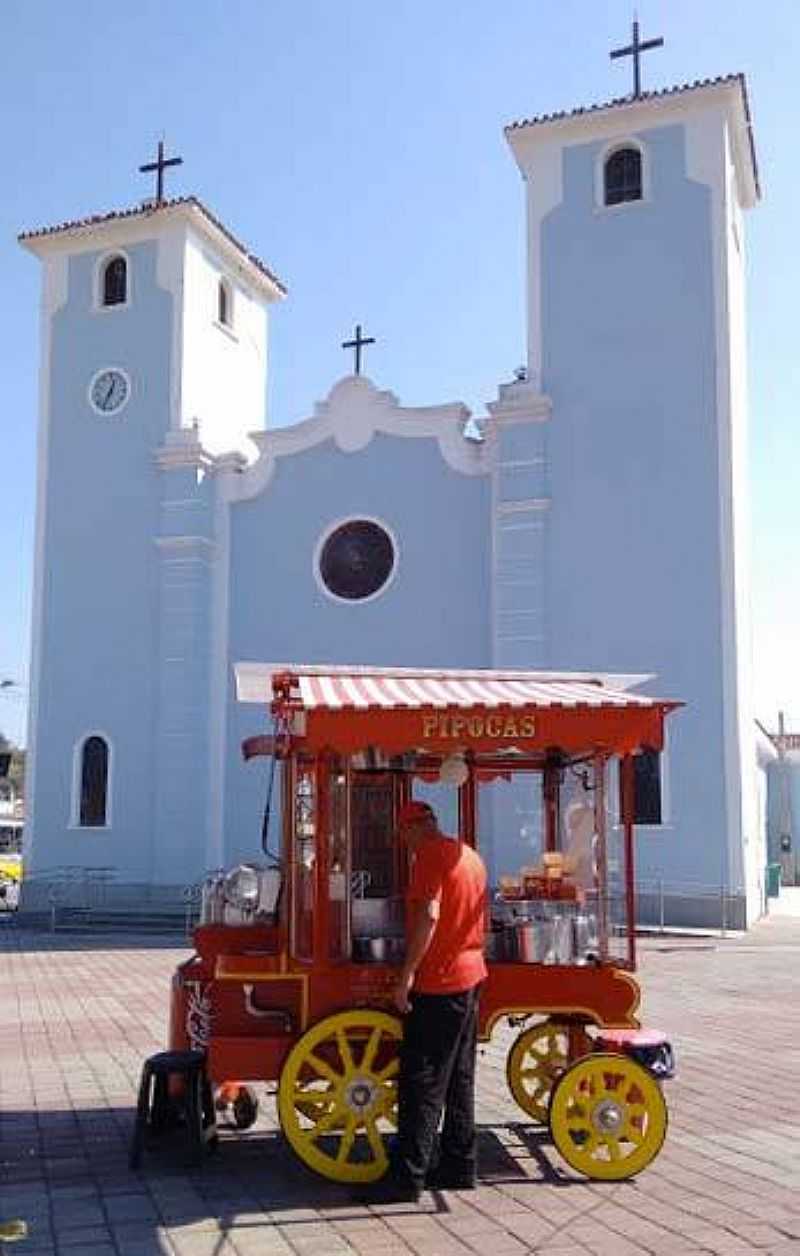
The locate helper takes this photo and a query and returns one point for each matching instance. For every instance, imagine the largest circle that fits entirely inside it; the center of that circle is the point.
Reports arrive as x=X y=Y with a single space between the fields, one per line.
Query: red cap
x=413 y=812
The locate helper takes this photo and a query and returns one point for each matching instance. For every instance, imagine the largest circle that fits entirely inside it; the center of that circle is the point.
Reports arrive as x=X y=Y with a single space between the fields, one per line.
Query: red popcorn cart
x=297 y=953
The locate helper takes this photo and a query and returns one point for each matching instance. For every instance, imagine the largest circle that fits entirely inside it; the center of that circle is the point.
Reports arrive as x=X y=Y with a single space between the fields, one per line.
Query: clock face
x=109 y=390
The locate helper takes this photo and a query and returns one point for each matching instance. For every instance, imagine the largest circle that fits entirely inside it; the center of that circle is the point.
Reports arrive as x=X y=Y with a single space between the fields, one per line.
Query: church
x=594 y=519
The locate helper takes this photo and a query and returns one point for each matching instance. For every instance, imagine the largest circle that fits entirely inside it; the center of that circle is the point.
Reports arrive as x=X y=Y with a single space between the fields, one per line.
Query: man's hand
x=401 y=991
x=423 y=918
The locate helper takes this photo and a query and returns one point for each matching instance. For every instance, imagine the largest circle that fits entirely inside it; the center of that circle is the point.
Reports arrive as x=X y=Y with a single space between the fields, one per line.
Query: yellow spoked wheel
x=608 y=1117
x=337 y=1095
x=535 y=1062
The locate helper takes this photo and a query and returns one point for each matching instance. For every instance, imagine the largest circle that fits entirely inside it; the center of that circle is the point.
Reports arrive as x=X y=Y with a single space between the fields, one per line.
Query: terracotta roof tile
x=662 y=93
x=150 y=208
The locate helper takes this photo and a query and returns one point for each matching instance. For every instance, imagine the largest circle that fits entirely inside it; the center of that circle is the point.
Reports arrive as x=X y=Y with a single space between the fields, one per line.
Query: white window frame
x=614 y=146
x=75 y=801
x=328 y=532
x=667 y=822
x=99 y=274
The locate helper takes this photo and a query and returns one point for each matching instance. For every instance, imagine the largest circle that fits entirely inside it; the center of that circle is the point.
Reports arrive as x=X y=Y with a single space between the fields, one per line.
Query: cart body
x=312 y=936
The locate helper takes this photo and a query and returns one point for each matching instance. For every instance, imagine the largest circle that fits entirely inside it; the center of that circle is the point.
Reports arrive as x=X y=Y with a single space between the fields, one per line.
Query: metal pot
x=379 y=949
x=361 y=950
x=534 y=942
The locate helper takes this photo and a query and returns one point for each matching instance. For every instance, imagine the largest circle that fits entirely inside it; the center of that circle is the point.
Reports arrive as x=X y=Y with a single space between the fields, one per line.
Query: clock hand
x=107 y=397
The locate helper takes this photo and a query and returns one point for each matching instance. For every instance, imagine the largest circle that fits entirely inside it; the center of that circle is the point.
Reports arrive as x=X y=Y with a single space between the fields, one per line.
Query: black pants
x=437 y=1071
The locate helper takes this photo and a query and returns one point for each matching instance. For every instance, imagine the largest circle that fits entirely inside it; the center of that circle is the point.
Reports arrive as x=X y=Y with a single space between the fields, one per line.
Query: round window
x=356 y=560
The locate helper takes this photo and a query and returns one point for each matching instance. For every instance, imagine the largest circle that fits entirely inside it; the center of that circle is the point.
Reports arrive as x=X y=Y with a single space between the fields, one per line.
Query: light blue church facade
x=594 y=519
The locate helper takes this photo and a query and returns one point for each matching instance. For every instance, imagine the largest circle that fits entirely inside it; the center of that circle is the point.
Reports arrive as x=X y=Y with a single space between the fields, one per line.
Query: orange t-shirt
x=453 y=874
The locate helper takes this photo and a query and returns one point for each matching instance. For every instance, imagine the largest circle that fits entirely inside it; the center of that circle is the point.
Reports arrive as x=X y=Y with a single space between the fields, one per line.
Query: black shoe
x=441 y=1178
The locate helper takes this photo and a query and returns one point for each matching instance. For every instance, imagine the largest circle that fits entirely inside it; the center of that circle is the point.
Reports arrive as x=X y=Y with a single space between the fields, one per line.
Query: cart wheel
x=536 y=1060
x=337 y=1094
x=608 y=1117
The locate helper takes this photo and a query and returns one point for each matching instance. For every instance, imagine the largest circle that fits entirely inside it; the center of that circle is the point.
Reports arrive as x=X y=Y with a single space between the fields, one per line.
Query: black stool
x=157 y=1109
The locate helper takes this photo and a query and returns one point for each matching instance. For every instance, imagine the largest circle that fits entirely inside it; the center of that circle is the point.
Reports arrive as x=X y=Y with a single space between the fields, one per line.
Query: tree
x=16 y=768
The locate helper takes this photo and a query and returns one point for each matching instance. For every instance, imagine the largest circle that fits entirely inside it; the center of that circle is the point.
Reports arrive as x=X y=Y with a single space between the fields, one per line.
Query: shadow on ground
x=22 y=939
x=66 y=1172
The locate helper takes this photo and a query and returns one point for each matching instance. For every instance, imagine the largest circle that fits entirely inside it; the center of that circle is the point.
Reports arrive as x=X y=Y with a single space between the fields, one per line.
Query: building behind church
x=596 y=520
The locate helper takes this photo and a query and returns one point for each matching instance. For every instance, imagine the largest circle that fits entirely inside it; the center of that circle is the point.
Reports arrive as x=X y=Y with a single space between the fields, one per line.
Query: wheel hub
x=608 y=1117
x=360 y=1094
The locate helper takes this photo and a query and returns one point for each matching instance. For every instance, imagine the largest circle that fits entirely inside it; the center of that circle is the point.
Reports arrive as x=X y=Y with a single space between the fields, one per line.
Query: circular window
x=356 y=560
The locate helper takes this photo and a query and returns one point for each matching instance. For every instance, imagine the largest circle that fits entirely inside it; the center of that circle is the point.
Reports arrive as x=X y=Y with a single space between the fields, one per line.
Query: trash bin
x=773 y=880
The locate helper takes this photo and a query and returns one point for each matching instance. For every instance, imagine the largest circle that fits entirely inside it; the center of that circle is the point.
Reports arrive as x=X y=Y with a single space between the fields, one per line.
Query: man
x=438 y=994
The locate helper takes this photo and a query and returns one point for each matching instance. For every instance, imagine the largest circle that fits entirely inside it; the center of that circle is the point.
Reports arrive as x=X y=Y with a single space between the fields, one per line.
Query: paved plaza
x=78 y=1015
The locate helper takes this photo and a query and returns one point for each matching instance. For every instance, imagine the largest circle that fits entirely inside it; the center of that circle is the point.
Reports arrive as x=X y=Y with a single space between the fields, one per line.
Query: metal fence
x=66 y=896
x=665 y=904
x=93 y=897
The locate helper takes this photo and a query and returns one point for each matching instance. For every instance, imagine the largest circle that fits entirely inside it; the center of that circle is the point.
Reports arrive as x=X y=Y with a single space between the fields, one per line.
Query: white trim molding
x=354 y=412
x=322 y=541
x=183 y=548
x=146 y=224
x=102 y=261
x=183 y=449
x=55 y=283
x=75 y=798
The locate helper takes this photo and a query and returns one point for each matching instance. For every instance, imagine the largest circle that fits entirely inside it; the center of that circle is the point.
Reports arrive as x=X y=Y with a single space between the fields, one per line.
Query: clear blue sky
x=357 y=147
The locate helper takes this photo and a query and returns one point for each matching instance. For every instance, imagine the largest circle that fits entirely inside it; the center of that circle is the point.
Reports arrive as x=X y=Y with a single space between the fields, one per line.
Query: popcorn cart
x=296 y=954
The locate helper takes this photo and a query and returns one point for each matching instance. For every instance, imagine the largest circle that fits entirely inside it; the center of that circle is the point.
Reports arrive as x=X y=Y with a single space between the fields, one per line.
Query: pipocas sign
x=607 y=729
x=503 y=728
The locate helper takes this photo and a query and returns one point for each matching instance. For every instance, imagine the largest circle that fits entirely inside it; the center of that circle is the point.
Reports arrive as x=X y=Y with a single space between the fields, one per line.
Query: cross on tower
x=160 y=165
x=357 y=344
x=635 y=49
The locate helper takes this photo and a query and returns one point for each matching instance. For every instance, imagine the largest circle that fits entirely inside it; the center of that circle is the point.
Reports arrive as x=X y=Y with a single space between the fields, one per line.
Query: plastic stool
x=157 y=1106
x=649 y=1047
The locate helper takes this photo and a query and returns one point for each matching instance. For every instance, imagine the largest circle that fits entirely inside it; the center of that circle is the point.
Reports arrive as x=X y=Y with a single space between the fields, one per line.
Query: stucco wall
x=434 y=613
x=98 y=630
x=633 y=574
x=783 y=798
x=224 y=368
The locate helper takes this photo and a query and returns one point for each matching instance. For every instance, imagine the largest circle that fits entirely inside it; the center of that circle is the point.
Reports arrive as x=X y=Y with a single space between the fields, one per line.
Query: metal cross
x=635 y=49
x=357 y=344
x=160 y=165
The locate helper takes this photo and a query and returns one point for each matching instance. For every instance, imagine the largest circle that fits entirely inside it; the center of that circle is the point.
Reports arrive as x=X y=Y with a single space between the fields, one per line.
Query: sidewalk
x=75 y=1025
x=787 y=903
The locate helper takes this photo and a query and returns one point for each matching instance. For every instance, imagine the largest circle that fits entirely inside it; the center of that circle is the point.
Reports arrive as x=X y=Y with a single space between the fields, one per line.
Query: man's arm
x=421 y=928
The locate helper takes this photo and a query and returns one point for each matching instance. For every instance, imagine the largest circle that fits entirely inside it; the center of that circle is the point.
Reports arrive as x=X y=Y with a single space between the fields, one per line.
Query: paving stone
x=75 y=1025
x=129 y=1208
x=83 y=1236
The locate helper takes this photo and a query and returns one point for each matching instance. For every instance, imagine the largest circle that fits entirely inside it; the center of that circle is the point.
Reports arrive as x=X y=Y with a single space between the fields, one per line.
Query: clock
x=109 y=390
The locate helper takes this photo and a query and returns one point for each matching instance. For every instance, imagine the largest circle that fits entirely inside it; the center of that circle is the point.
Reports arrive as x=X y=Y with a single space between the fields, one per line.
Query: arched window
x=115 y=281
x=622 y=176
x=224 y=304
x=93 y=783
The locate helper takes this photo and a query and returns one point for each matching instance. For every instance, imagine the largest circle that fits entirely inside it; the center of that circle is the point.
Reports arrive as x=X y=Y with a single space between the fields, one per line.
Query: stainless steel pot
x=534 y=942
x=382 y=949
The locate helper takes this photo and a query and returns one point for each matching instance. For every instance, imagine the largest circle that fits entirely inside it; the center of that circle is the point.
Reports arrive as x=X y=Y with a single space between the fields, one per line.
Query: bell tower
x=154 y=358
x=636 y=339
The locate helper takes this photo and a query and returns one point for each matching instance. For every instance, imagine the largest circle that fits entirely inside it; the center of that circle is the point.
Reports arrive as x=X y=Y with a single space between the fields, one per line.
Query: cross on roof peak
x=357 y=343
x=159 y=166
x=634 y=49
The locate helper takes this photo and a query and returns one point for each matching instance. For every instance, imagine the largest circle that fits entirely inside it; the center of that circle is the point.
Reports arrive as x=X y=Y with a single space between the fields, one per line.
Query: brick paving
x=78 y=1015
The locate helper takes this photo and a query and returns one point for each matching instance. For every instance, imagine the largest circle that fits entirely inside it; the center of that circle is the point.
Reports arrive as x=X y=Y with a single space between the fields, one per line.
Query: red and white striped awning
x=363 y=688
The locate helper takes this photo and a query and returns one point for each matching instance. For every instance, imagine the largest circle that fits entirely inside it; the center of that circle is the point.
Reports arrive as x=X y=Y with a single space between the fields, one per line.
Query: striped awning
x=464 y=692
x=351 y=708
x=362 y=688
